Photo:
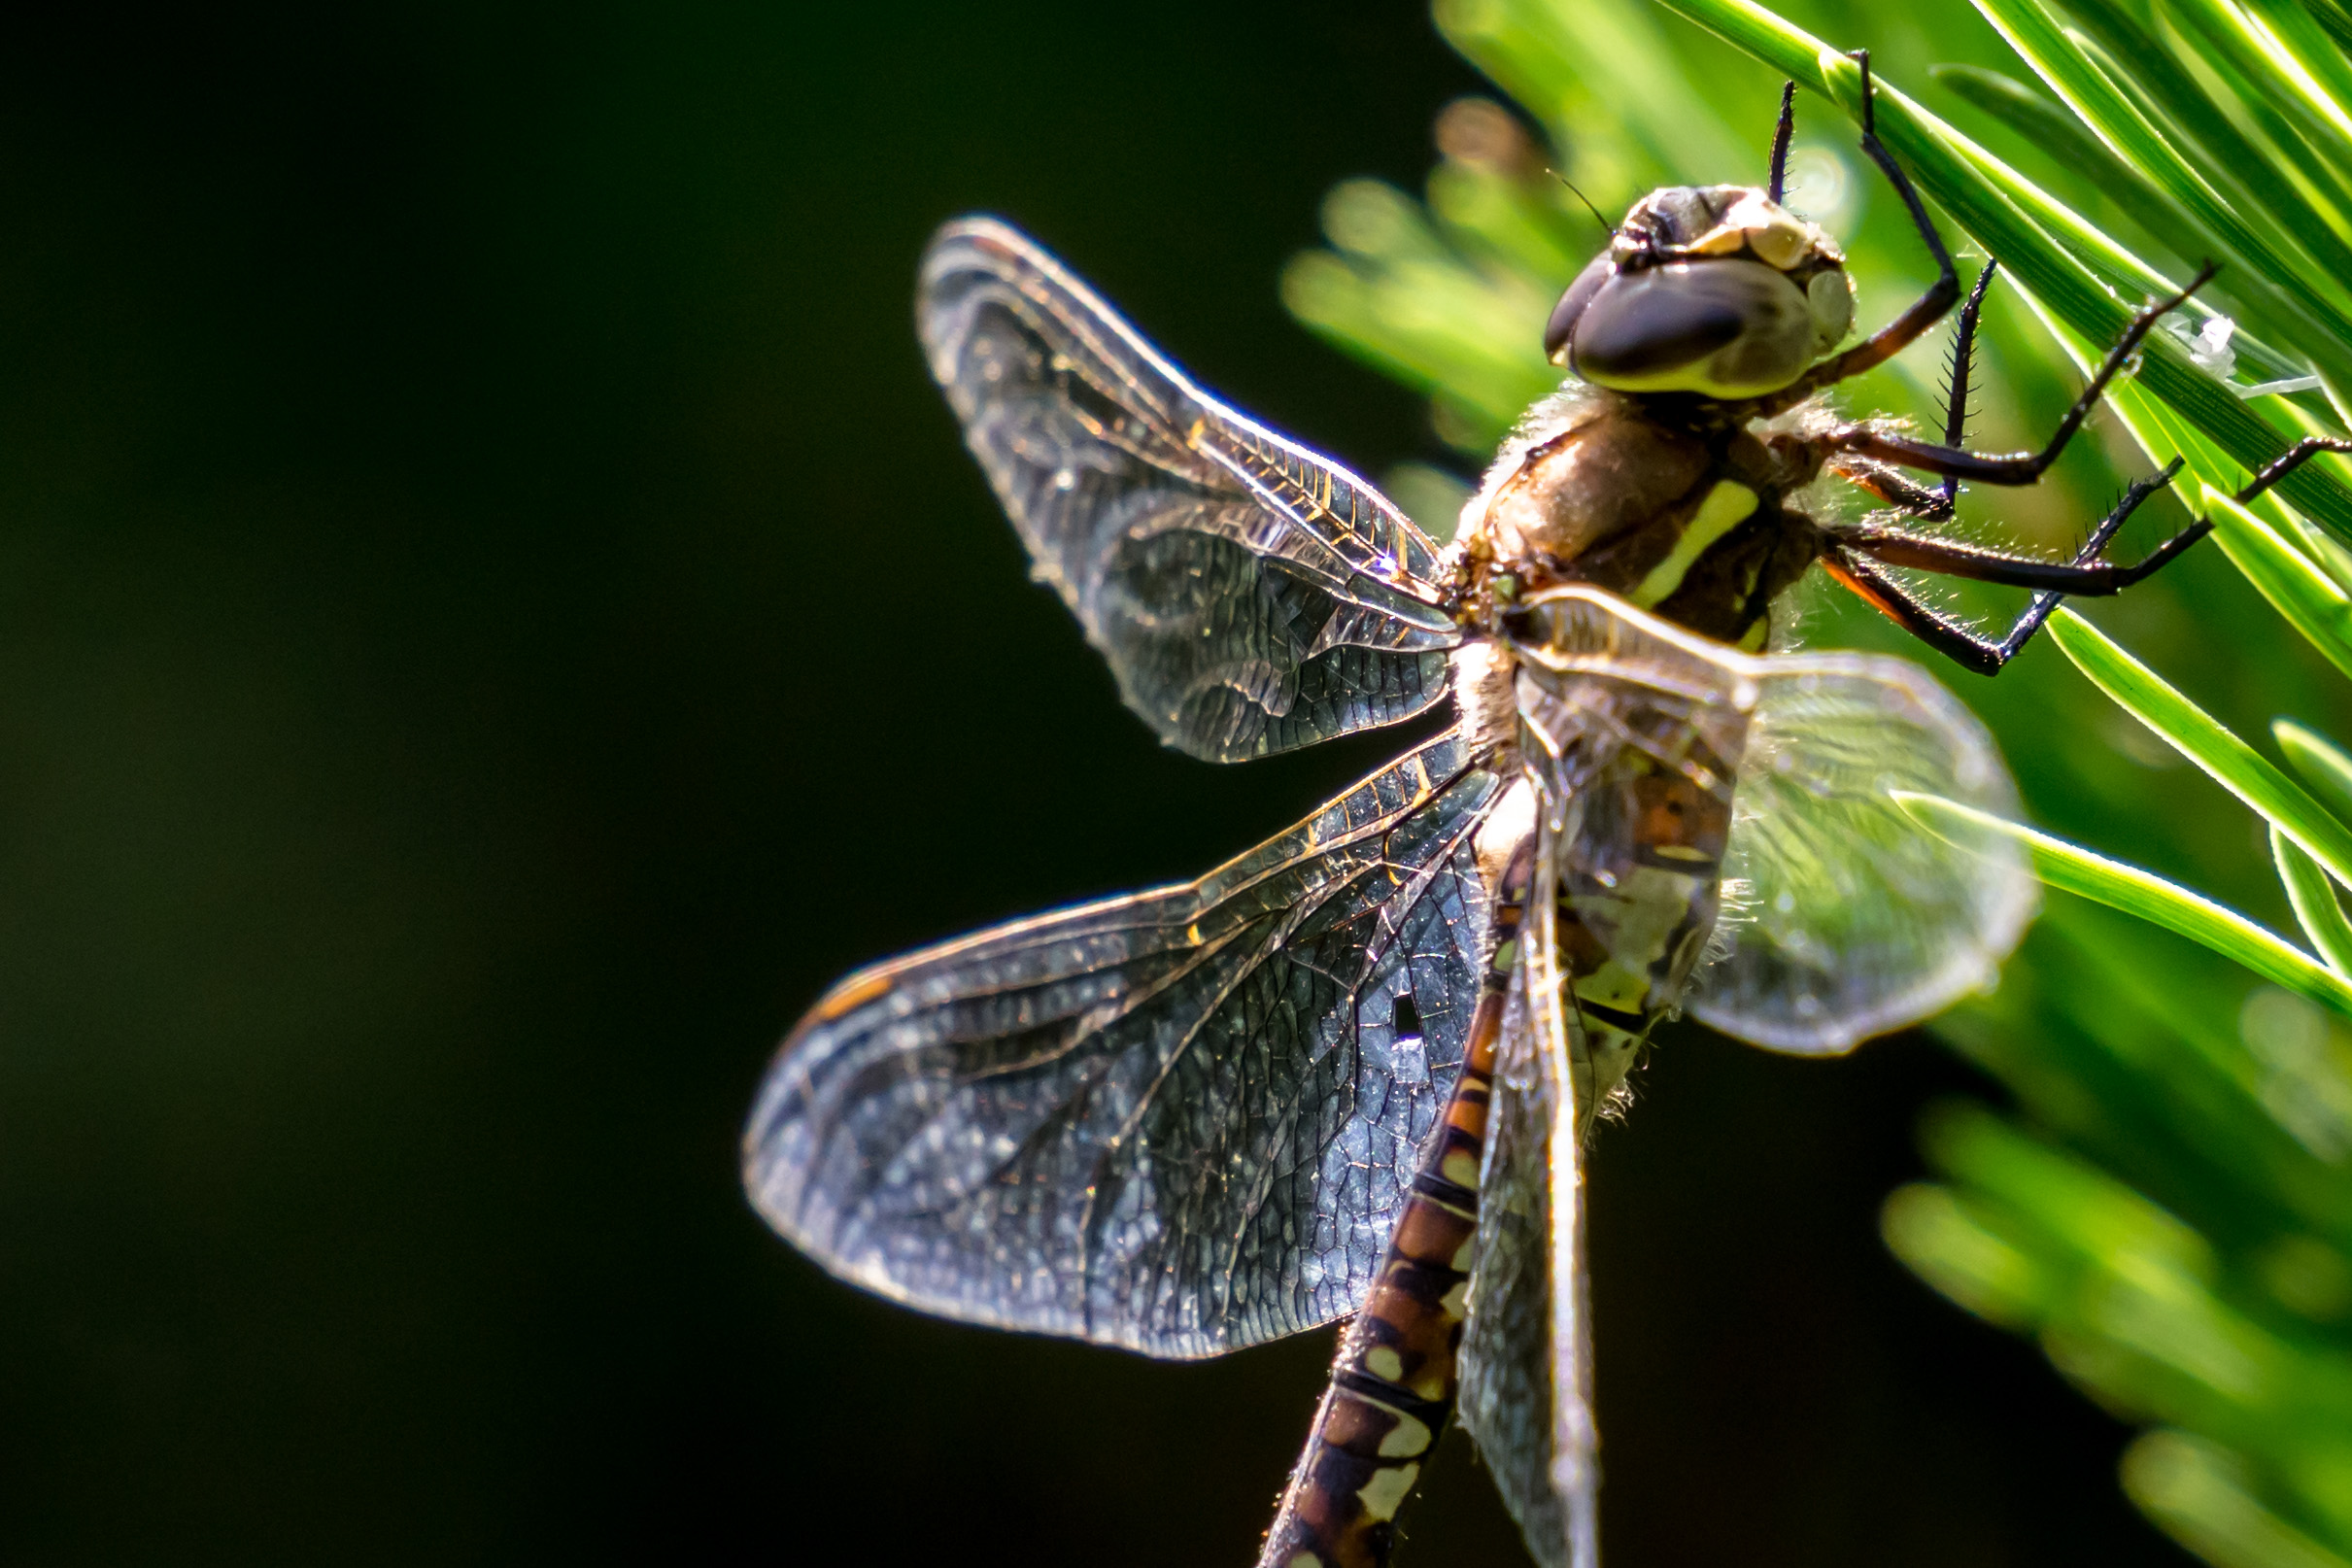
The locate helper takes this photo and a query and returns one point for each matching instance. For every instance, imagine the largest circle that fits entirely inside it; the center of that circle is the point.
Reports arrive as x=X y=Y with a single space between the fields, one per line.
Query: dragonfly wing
x=1180 y=1122
x=1526 y=1397
x=1842 y=918
x=1250 y=595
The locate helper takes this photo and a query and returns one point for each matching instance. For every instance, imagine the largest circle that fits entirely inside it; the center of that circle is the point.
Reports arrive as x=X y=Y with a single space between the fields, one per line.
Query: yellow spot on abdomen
x=1383 y=1362
x=1461 y=1168
x=1384 y=1493
x=1410 y=1439
x=1725 y=507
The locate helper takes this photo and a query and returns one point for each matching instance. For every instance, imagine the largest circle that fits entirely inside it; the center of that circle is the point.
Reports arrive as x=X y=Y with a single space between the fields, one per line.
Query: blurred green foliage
x=2168 y=1206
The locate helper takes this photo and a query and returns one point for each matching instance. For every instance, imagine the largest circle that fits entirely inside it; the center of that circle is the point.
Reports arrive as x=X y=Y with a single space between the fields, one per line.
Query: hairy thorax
x=1670 y=509
x=1584 y=485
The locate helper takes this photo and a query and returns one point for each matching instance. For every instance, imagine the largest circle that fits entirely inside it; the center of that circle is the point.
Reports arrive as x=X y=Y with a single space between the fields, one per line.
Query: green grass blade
x=2082 y=246
x=2197 y=1491
x=2039 y=120
x=2310 y=596
x=2324 y=765
x=2121 y=272
x=2316 y=907
x=2071 y=868
x=2280 y=288
x=1935 y=1235
x=2303 y=573
x=2301 y=43
x=2307 y=150
x=2195 y=735
x=2274 y=89
x=1397 y=296
x=1528 y=45
x=2048 y=127
x=2136 y=128
x=2334 y=19
x=2204 y=155
x=2042 y=122
x=2306 y=596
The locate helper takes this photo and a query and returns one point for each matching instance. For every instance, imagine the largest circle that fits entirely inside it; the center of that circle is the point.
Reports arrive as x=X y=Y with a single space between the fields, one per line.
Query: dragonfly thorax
x=1680 y=515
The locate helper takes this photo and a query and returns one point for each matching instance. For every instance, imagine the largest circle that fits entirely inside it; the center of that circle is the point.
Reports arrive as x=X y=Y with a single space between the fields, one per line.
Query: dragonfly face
x=1716 y=291
x=1352 y=1070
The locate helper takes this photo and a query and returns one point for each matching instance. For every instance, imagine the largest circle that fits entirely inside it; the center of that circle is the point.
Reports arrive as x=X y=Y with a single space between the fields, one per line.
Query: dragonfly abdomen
x=1392 y=1389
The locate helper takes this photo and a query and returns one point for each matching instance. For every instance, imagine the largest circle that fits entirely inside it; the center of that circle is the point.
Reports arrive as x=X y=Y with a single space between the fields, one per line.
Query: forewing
x=1842 y=919
x=1526 y=1397
x=1250 y=595
x=1179 y=1122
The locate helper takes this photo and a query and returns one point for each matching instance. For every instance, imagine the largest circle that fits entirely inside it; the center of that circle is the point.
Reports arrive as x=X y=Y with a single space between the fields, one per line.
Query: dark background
x=493 y=616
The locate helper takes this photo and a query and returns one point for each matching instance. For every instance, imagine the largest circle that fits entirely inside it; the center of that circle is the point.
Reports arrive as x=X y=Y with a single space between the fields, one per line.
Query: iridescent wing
x=1841 y=918
x=1668 y=767
x=1632 y=730
x=1249 y=596
x=1526 y=1397
x=1179 y=1122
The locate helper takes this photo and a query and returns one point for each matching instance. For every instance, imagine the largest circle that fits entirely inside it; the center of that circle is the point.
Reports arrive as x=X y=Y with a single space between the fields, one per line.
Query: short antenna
x=1607 y=229
x=1780 y=141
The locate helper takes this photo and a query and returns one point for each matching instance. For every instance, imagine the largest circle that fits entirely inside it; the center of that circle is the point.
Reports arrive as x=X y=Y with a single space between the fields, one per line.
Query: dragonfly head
x=1713 y=290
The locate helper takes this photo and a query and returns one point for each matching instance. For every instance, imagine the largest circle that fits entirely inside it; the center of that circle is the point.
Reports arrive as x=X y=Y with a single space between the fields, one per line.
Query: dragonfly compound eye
x=1830 y=297
x=1572 y=305
x=1721 y=328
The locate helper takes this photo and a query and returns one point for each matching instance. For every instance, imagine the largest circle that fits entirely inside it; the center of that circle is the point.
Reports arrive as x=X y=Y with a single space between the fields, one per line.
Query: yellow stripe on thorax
x=1725 y=507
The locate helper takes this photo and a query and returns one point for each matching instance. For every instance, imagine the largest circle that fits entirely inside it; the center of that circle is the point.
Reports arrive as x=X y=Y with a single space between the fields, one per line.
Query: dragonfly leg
x=2287 y=461
x=1962 y=643
x=1780 y=141
x=2085 y=575
x=1889 y=483
x=2014 y=468
x=1956 y=389
x=1925 y=310
x=1948 y=635
x=1895 y=488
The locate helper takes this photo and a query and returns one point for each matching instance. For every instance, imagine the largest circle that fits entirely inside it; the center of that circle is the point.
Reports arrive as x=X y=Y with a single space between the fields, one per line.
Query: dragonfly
x=1352 y=1073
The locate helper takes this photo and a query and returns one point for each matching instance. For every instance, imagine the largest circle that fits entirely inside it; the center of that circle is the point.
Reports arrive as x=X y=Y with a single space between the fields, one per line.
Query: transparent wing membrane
x=1840 y=918
x=1633 y=731
x=1526 y=1396
x=1843 y=919
x=1673 y=771
x=1507 y=1361
x=1249 y=596
x=1179 y=1122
